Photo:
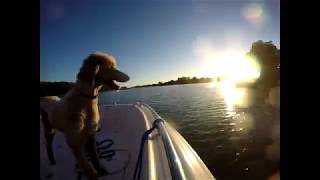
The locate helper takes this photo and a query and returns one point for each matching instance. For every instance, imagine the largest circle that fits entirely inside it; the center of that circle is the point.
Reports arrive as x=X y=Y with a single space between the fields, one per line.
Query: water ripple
x=230 y=140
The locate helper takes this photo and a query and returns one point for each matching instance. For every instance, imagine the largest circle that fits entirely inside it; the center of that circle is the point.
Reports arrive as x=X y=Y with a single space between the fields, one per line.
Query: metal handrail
x=175 y=165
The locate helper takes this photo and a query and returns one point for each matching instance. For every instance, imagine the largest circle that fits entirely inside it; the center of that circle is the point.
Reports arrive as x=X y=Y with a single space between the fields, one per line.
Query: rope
x=143 y=140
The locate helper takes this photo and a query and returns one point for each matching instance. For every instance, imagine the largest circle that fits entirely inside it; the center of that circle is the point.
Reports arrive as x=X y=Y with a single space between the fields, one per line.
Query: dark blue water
x=236 y=138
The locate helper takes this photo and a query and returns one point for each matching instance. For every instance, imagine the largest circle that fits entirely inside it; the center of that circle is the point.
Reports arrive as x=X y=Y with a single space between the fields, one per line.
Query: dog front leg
x=49 y=135
x=91 y=148
x=87 y=168
x=49 y=138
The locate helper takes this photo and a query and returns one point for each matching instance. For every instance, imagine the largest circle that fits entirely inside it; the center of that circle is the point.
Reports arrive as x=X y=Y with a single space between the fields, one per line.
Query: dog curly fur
x=77 y=113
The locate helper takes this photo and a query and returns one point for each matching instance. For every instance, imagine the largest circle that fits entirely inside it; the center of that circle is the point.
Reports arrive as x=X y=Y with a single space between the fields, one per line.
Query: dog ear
x=89 y=70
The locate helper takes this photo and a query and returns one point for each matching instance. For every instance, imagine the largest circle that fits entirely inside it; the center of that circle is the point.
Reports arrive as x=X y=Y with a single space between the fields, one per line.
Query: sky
x=152 y=40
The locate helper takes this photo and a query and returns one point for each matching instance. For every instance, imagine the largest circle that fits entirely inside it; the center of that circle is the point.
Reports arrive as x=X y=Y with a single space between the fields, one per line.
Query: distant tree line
x=268 y=56
x=180 y=80
x=60 y=88
x=54 y=88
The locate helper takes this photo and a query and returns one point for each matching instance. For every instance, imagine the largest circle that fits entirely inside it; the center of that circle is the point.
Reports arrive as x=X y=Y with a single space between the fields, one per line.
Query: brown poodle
x=77 y=113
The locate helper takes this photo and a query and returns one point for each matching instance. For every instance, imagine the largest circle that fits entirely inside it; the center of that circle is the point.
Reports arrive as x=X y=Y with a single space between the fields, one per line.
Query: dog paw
x=49 y=176
x=53 y=163
x=51 y=172
x=102 y=172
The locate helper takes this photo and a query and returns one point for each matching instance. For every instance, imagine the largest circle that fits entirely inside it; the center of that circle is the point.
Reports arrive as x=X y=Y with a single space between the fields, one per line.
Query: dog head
x=101 y=69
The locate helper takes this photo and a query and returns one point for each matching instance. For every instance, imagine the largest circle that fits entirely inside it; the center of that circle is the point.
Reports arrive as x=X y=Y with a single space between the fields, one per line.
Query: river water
x=235 y=137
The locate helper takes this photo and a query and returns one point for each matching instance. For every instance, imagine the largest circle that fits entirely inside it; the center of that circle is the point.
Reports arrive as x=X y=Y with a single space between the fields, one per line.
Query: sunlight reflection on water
x=233 y=136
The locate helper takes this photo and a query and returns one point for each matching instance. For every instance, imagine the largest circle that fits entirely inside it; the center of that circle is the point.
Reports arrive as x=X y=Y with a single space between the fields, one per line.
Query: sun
x=234 y=67
x=231 y=65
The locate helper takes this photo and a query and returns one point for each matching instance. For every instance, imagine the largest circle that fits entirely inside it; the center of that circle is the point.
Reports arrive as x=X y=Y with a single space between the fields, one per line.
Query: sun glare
x=229 y=93
x=231 y=65
x=232 y=95
x=230 y=69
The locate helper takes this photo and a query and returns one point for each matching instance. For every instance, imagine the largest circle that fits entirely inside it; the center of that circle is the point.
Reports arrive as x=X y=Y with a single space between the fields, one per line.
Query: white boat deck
x=124 y=124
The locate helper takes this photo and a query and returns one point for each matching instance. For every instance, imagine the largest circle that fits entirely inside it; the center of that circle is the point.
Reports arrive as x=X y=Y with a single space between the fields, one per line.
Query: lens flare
x=254 y=14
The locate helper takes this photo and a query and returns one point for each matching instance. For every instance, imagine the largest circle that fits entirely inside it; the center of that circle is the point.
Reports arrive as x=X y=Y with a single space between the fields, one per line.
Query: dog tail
x=47 y=102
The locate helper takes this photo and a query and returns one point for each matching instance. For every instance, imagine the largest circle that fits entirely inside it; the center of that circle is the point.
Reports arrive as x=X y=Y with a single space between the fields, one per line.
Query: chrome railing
x=174 y=161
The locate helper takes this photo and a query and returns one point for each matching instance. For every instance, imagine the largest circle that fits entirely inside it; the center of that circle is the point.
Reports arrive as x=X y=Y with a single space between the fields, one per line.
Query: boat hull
x=167 y=155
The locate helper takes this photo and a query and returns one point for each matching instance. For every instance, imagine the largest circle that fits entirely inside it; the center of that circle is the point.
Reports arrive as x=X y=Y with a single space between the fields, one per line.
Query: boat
x=134 y=143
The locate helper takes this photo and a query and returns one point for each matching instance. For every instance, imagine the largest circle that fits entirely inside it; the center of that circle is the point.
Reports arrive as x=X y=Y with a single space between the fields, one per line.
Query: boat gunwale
x=175 y=165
